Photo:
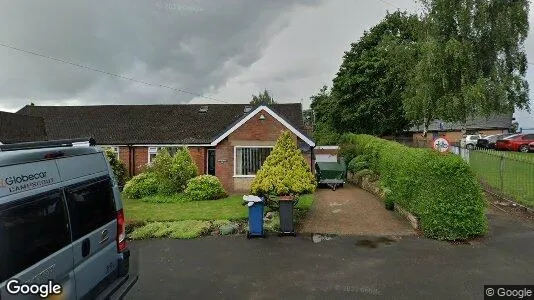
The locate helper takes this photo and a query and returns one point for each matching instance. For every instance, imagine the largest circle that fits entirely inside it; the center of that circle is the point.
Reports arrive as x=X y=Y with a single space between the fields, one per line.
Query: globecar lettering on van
x=25 y=182
x=23 y=178
x=27 y=178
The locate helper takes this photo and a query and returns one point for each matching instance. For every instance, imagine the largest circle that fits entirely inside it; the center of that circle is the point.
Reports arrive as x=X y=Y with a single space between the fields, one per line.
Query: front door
x=211 y=162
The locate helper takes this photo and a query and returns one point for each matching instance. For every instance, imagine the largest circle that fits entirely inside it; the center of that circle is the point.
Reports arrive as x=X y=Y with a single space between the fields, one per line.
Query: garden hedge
x=440 y=189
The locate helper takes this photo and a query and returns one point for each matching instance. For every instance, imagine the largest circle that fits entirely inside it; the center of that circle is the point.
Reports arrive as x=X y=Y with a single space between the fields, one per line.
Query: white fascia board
x=273 y=114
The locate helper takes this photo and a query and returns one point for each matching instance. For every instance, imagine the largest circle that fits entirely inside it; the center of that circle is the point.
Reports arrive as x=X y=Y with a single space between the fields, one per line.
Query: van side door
x=35 y=244
x=93 y=217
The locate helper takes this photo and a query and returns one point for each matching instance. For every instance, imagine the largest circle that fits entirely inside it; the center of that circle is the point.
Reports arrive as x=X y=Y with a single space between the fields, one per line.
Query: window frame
x=235 y=159
x=152 y=150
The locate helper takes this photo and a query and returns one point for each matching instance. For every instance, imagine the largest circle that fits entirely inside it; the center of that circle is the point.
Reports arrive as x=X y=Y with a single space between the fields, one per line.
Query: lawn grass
x=516 y=178
x=223 y=209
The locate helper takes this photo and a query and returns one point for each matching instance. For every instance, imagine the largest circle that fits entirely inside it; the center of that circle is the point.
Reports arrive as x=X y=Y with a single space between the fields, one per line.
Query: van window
x=91 y=205
x=31 y=229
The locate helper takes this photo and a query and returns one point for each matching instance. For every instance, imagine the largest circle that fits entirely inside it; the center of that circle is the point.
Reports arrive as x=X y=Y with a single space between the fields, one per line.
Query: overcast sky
x=226 y=50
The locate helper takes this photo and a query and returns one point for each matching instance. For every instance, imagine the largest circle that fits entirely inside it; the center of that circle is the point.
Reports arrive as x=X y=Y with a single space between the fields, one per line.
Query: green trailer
x=332 y=174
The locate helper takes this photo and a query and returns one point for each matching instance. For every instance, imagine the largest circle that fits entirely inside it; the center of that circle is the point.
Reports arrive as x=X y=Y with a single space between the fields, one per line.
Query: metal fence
x=510 y=174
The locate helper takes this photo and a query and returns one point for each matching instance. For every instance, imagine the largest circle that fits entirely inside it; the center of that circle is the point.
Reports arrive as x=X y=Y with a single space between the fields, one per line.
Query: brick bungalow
x=230 y=141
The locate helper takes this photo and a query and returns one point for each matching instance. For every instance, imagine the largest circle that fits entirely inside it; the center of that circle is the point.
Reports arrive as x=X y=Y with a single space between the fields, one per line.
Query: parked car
x=516 y=142
x=489 y=141
x=61 y=223
x=470 y=141
x=531 y=146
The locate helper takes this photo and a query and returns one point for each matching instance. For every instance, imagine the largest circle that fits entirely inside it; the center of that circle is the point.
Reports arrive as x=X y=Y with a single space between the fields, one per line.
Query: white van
x=62 y=228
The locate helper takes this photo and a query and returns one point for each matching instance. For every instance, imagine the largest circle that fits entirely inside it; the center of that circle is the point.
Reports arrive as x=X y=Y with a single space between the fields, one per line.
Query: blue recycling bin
x=255 y=219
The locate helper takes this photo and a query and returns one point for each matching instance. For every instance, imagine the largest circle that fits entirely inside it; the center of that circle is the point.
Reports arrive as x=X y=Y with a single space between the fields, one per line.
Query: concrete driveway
x=356 y=267
x=352 y=211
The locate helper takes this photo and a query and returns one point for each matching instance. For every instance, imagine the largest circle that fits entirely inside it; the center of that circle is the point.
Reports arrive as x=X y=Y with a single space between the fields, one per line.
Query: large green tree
x=368 y=89
x=472 y=62
x=263 y=98
x=322 y=118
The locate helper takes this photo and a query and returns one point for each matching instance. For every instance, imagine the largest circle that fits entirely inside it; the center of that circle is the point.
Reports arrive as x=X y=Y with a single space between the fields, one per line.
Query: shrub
x=205 y=187
x=173 y=172
x=148 y=231
x=285 y=171
x=348 y=151
x=441 y=189
x=188 y=229
x=142 y=185
x=359 y=163
x=119 y=168
x=131 y=225
x=273 y=225
x=365 y=173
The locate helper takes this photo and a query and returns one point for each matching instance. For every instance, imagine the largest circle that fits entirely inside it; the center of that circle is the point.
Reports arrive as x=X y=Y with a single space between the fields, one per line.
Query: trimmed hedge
x=440 y=189
x=359 y=163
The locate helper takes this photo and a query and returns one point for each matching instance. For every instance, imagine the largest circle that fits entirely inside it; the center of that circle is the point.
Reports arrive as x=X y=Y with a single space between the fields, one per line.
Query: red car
x=516 y=142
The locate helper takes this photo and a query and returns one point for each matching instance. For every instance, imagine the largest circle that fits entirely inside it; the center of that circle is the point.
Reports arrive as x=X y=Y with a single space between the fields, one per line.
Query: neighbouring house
x=230 y=141
x=453 y=131
x=16 y=128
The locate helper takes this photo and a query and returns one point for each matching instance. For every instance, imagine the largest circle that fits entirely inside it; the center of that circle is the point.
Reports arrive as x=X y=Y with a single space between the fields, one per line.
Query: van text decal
x=22 y=182
x=25 y=177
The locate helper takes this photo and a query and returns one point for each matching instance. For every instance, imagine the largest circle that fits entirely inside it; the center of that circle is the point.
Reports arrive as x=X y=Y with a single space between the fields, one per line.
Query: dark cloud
x=194 y=45
x=227 y=49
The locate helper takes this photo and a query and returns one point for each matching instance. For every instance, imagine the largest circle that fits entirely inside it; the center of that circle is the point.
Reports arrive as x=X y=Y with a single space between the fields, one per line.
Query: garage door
x=326 y=158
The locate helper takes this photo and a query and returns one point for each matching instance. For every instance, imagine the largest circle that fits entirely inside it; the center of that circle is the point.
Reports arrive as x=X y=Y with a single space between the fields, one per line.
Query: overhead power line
x=389 y=3
x=64 y=61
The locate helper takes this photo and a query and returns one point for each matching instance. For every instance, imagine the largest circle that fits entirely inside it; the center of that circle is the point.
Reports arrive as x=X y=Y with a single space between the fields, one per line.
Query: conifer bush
x=285 y=171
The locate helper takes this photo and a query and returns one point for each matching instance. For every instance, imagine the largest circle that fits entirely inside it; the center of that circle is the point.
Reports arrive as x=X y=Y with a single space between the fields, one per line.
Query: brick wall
x=254 y=132
x=141 y=159
x=199 y=157
x=124 y=156
x=224 y=164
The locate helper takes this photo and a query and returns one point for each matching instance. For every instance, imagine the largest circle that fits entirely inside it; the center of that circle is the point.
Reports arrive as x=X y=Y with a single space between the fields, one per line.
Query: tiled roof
x=15 y=128
x=149 y=124
x=502 y=121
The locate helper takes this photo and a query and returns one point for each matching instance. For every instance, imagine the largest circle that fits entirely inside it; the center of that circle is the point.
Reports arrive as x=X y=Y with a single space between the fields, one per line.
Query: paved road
x=353 y=211
x=344 y=267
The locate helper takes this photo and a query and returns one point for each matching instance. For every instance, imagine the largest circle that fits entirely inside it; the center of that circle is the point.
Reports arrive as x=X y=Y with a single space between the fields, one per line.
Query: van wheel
x=470 y=147
x=523 y=148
